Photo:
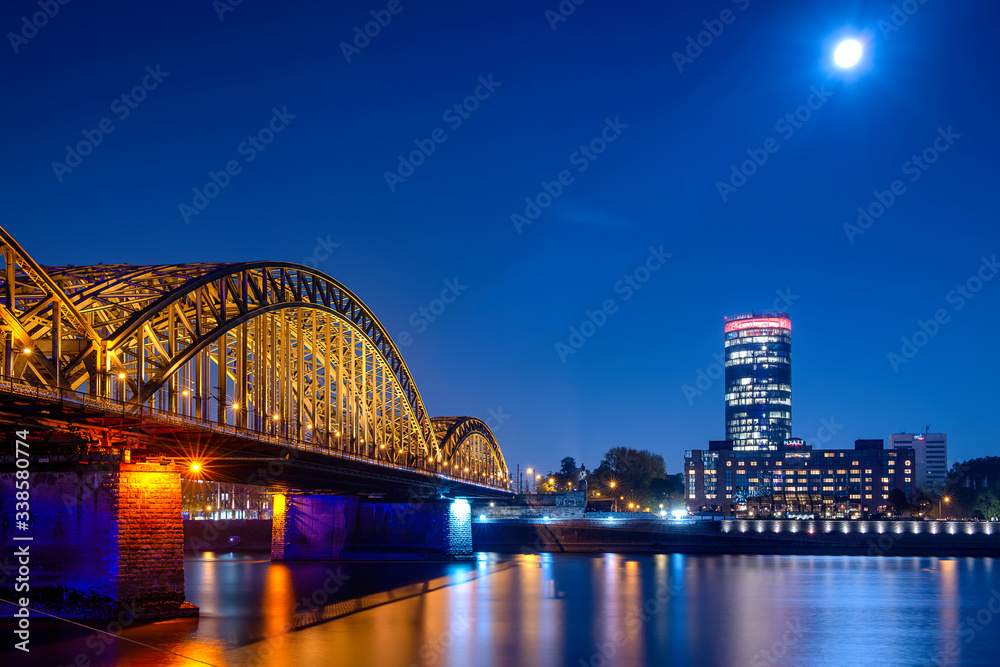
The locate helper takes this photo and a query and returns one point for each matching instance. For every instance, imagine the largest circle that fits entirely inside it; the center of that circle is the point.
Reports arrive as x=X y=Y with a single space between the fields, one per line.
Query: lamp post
x=946 y=499
x=527 y=481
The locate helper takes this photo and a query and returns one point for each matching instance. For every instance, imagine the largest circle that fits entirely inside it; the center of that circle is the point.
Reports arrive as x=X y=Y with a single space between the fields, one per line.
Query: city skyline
x=481 y=287
x=404 y=333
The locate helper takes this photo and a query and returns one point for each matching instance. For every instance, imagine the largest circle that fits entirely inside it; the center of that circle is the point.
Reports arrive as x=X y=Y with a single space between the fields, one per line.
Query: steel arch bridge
x=271 y=349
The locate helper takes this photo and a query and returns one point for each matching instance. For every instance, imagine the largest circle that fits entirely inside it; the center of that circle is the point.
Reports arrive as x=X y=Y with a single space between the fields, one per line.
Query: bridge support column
x=106 y=543
x=318 y=527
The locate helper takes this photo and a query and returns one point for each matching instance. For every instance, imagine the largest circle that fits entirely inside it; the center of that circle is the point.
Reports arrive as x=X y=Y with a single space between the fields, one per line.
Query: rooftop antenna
x=927 y=429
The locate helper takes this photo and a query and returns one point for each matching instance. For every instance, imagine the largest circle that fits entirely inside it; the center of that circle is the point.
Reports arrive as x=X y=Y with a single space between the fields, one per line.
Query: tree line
x=636 y=477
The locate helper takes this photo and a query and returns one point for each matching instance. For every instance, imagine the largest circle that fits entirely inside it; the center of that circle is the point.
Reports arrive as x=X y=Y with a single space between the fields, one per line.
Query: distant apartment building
x=931 y=453
x=797 y=479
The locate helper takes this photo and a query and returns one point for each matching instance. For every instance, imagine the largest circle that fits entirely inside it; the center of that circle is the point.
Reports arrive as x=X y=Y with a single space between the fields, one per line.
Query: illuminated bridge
x=263 y=372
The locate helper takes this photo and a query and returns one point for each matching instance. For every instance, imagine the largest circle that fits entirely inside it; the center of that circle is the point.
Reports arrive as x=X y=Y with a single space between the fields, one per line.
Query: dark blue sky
x=655 y=184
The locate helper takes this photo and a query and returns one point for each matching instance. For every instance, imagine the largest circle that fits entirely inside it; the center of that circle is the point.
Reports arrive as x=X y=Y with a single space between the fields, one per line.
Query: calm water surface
x=565 y=609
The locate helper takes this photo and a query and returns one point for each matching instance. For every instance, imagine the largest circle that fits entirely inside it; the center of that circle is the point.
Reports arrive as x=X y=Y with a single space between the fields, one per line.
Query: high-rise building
x=758 y=380
x=931 y=451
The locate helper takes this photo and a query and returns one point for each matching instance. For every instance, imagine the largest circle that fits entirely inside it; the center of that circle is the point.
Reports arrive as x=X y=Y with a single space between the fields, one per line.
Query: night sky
x=628 y=130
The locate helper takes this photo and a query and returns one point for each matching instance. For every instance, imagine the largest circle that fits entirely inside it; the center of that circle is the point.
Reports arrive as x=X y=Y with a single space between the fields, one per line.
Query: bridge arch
x=272 y=347
x=468 y=445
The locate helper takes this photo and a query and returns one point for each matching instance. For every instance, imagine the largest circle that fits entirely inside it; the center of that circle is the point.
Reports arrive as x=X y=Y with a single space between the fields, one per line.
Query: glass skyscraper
x=758 y=380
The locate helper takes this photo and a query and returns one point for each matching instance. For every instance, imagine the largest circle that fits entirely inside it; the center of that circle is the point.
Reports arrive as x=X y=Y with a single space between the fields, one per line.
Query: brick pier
x=105 y=541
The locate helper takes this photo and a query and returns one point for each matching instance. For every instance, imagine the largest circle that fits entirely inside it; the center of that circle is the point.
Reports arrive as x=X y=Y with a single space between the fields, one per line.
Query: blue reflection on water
x=561 y=609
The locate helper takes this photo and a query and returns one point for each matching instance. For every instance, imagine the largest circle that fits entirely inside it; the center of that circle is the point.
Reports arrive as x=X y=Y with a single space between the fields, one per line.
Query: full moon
x=848 y=53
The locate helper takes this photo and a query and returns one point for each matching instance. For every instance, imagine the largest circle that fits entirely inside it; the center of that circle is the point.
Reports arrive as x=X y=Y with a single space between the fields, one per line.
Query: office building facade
x=797 y=479
x=758 y=361
x=932 y=456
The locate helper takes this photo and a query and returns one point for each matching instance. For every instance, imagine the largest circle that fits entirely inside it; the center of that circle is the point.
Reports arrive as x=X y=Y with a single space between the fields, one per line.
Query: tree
x=924 y=502
x=628 y=474
x=668 y=491
x=897 y=498
x=987 y=503
x=568 y=467
x=972 y=486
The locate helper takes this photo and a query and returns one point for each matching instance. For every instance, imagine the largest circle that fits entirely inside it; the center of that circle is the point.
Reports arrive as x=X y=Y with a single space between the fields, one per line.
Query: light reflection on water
x=563 y=609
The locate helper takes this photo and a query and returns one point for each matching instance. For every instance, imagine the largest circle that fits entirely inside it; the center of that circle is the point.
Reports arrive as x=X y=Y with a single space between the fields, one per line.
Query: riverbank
x=849 y=538
x=599 y=535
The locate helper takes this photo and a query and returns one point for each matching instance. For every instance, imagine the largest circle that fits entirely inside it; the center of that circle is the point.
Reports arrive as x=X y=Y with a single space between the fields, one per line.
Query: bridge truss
x=272 y=348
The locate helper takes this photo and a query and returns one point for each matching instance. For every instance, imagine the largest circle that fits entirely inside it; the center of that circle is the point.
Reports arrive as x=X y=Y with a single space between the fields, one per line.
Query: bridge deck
x=226 y=453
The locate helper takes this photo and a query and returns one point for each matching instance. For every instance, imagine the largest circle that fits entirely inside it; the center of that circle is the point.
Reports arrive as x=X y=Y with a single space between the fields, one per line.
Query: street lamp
x=947 y=500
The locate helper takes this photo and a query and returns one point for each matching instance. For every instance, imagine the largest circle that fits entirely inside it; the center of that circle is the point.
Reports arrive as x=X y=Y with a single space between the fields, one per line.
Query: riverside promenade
x=738 y=536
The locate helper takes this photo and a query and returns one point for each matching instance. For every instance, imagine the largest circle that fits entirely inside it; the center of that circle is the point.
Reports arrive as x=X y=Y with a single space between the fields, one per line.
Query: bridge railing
x=28 y=389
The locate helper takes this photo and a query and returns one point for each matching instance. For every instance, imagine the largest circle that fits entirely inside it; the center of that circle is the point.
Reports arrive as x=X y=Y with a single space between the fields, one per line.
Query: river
x=562 y=609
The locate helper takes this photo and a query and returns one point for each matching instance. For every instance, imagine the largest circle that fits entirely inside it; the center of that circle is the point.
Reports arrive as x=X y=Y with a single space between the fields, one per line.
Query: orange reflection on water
x=948 y=604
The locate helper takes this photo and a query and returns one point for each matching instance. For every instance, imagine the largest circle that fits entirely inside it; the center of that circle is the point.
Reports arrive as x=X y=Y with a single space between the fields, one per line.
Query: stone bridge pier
x=326 y=527
x=106 y=542
x=107 y=538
